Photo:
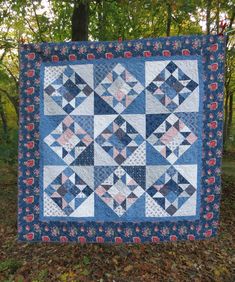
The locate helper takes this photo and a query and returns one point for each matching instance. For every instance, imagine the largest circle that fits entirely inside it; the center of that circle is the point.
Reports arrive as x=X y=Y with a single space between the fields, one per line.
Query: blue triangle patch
x=153 y=121
x=101 y=107
x=86 y=157
x=137 y=106
x=153 y=157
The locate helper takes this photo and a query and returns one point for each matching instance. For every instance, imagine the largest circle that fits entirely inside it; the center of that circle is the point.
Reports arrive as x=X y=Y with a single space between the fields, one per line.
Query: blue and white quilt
x=124 y=144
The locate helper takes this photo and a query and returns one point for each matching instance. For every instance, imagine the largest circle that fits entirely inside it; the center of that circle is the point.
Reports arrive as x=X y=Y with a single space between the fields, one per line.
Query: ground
x=211 y=260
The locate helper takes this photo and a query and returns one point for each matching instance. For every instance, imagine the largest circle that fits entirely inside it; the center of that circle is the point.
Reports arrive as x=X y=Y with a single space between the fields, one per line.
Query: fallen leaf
x=128 y=268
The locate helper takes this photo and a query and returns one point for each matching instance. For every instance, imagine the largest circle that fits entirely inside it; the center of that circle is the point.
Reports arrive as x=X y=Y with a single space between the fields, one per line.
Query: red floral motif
x=30 y=126
x=210 y=198
x=29 y=200
x=46 y=239
x=185 y=52
x=29 y=218
x=108 y=55
x=30 y=108
x=191 y=237
x=214 y=67
x=30 y=145
x=155 y=239
x=55 y=58
x=211 y=162
x=173 y=238
x=30 y=163
x=99 y=239
x=166 y=53
x=30 y=73
x=81 y=239
x=72 y=57
x=147 y=54
x=127 y=54
x=63 y=239
x=208 y=233
x=213 y=47
x=213 y=143
x=29 y=181
x=213 y=106
x=118 y=240
x=136 y=240
x=213 y=124
x=209 y=215
x=211 y=180
x=30 y=236
x=30 y=90
x=31 y=56
x=213 y=86
x=90 y=56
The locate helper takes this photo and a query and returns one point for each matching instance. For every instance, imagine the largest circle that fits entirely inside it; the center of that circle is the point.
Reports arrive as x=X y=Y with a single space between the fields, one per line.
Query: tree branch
x=37 y=21
x=30 y=27
x=12 y=100
x=169 y=18
x=11 y=74
x=208 y=16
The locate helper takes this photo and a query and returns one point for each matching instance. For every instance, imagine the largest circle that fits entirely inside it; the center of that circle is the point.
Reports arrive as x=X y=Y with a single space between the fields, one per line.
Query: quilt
x=121 y=141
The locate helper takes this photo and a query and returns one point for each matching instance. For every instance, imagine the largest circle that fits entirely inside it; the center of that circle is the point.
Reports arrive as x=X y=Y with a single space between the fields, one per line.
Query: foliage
x=229 y=105
x=8 y=147
x=10 y=265
x=137 y=19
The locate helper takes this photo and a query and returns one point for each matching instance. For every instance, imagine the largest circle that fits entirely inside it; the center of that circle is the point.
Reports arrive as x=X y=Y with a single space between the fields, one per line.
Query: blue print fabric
x=121 y=141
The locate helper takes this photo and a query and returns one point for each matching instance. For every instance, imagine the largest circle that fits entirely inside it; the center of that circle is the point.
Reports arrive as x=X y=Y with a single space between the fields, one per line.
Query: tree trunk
x=225 y=118
x=217 y=16
x=101 y=20
x=3 y=118
x=80 y=19
x=230 y=114
x=228 y=106
x=169 y=18
x=208 y=16
x=13 y=101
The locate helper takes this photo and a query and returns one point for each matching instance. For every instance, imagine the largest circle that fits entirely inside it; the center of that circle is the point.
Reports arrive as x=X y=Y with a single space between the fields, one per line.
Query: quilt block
x=121 y=142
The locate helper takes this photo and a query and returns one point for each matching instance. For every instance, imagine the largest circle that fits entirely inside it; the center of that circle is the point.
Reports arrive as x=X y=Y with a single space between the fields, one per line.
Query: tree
x=80 y=20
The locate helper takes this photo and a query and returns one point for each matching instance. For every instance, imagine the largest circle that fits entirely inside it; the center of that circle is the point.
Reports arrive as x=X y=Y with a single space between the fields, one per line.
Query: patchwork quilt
x=121 y=141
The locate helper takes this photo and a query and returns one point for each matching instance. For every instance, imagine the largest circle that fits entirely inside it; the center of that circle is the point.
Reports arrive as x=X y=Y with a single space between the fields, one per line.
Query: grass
x=10 y=265
x=211 y=260
x=228 y=163
x=229 y=167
